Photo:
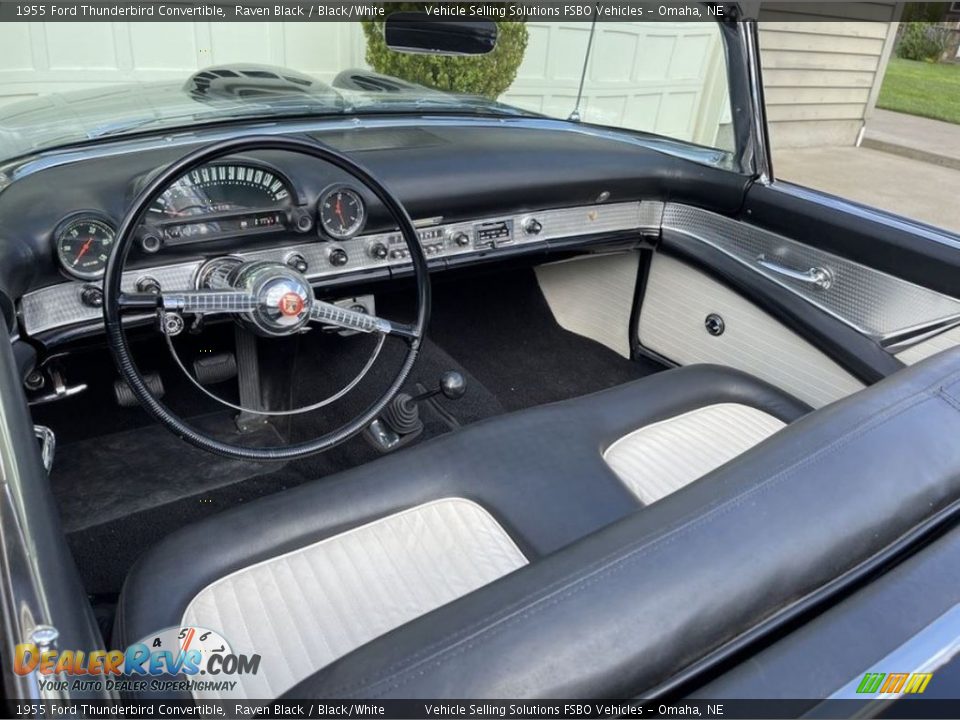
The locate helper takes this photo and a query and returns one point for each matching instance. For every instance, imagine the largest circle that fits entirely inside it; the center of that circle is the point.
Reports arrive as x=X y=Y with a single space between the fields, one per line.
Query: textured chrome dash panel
x=871 y=301
x=60 y=305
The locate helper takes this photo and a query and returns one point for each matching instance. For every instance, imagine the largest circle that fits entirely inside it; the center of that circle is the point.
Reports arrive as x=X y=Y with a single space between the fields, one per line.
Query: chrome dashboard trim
x=60 y=305
x=873 y=302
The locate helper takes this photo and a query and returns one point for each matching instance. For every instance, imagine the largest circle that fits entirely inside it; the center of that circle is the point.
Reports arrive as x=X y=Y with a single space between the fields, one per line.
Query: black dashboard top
x=454 y=170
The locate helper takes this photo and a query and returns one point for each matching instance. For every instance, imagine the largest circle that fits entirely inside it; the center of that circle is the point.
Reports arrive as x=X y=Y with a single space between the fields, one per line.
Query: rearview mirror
x=417 y=32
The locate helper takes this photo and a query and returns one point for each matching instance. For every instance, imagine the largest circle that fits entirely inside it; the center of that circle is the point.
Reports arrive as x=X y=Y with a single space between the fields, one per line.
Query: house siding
x=822 y=77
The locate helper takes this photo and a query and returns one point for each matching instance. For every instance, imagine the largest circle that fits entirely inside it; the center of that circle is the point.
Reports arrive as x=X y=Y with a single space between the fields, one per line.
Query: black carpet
x=123 y=483
x=500 y=328
x=126 y=491
x=126 y=472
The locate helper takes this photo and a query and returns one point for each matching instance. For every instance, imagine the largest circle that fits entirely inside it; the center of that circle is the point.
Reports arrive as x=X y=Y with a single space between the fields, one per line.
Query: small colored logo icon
x=894 y=683
x=291 y=304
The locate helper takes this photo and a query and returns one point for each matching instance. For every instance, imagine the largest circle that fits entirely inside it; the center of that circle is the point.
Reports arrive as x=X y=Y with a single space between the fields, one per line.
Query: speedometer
x=221 y=188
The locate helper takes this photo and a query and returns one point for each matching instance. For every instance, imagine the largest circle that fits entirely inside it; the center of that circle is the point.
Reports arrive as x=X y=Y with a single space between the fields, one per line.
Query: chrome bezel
x=64 y=225
x=150 y=217
x=355 y=227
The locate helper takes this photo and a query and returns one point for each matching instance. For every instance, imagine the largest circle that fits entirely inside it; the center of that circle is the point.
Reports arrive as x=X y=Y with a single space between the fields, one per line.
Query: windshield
x=666 y=79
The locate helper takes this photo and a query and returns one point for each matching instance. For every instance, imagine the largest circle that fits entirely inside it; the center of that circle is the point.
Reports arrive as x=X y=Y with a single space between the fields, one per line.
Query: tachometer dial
x=83 y=246
x=341 y=213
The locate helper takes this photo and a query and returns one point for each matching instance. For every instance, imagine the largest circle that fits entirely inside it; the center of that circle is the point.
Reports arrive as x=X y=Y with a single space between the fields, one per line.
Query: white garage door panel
x=656 y=77
x=666 y=78
x=41 y=58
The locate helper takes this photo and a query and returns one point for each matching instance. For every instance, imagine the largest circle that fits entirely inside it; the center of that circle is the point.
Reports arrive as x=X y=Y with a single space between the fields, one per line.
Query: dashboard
x=478 y=191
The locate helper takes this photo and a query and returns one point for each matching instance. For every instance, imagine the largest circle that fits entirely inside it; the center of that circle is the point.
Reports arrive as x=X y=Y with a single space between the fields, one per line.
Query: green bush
x=486 y=75
x=922 y=41
x=924 y=11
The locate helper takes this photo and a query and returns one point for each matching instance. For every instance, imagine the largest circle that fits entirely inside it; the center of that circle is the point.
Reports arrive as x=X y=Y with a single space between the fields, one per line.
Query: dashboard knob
x=150 y=243
x=302 y=221
x=532 y=226
x=92 y=296
x=147 y=284
x=338 y=257
x=298 y=262
x=378 y=251
x=461 y=239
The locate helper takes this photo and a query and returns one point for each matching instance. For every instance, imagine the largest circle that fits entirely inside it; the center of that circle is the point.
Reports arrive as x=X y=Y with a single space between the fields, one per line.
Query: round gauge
x=341 y=213
x=83 y=246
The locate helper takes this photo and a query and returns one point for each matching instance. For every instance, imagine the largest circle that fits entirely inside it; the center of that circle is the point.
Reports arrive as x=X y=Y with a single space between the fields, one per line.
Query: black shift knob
x=453 y=385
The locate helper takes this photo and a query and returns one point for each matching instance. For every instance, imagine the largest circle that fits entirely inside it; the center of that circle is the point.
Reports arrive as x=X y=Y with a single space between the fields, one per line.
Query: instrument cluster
x=214 y=202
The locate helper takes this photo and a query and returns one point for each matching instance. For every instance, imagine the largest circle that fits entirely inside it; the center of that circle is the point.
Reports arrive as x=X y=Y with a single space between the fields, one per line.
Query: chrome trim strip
x=60 y=305
x=749 y=37
x=931 y=648
x=907 y=338
x=873 y=302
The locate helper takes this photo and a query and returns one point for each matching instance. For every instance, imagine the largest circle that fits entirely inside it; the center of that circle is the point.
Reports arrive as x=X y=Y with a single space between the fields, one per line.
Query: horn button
x=283 y=296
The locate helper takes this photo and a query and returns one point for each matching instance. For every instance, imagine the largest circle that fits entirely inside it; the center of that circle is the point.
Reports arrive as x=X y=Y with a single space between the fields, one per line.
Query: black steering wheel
x=272 y=298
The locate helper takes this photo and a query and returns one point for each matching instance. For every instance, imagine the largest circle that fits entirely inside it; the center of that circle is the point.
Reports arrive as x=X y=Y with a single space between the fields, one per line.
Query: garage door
x=666 y=78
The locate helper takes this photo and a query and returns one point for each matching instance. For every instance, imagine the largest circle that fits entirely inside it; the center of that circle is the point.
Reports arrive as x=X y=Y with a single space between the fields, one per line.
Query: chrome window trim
x=762 y=162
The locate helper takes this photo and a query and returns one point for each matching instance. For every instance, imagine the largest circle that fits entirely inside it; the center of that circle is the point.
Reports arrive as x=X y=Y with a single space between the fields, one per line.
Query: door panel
x=677 y=300
x=873 y=302
x=912 y=251
x=824 y=295
x=909 y=272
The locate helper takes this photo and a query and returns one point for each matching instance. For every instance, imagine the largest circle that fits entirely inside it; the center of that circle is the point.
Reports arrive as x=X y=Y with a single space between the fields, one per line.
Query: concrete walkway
x=902 y=185
x=906 y=165
x=914 y=137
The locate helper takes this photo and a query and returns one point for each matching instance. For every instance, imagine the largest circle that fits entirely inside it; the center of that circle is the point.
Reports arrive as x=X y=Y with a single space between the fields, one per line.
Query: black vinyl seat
x=508 y=560
x=535 y=479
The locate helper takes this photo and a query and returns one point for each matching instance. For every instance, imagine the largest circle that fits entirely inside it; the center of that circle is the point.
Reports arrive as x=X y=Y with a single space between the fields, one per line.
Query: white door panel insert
x=677 y=301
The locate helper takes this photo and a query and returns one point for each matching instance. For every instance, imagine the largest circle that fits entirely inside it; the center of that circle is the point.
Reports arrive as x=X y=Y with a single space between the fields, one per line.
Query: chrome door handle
x=821 y=278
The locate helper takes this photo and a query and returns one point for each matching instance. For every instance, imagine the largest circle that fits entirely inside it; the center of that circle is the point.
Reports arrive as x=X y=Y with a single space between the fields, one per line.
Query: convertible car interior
x=441 y=402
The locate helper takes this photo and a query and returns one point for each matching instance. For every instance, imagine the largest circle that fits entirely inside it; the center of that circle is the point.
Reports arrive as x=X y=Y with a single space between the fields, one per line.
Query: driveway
x=916 y=189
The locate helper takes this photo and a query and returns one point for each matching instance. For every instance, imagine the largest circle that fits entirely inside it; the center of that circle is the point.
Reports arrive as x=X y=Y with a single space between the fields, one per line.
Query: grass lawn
x=920 y=88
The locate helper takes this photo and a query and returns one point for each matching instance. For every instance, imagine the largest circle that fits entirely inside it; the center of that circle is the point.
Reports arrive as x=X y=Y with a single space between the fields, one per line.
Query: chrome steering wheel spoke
x=208 y=302
x=196 y=302
x=341 y=317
